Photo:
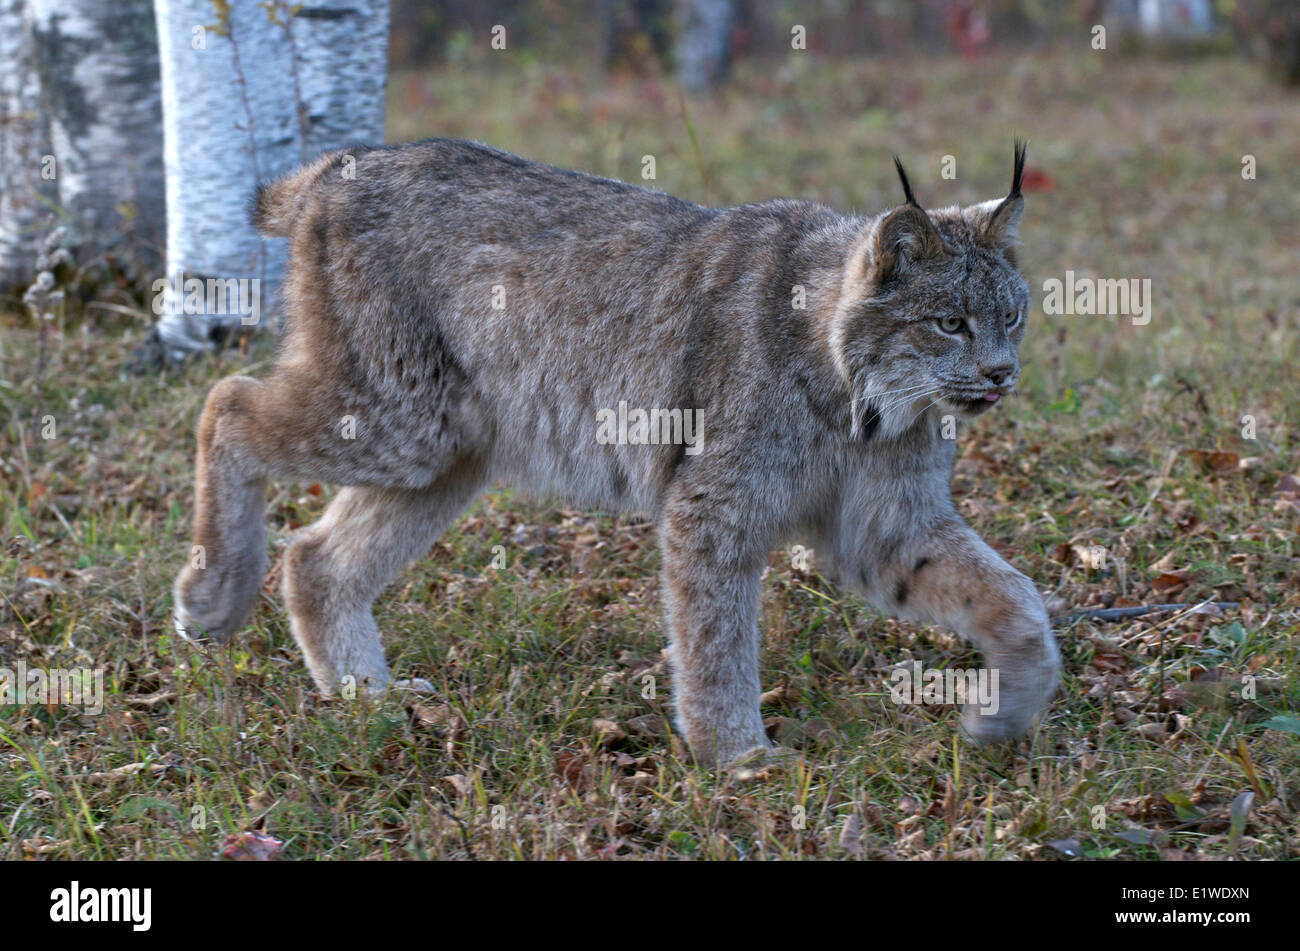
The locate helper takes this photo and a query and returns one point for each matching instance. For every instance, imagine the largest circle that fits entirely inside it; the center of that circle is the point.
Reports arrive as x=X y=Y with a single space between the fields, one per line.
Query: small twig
x=242 y=82
x=1187 y=386
x=695 y=142
x=464 y=832
x=1120 y=614
x=1170 y=458
x=135 y=312
x=275 y=9
x=1213 y=749
x=59 y=515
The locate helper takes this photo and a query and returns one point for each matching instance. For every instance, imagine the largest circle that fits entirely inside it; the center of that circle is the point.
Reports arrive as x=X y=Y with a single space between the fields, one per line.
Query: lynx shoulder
x=459 y=316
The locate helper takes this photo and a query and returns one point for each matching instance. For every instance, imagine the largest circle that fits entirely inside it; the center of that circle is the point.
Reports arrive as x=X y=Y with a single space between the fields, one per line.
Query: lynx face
x=936 y=315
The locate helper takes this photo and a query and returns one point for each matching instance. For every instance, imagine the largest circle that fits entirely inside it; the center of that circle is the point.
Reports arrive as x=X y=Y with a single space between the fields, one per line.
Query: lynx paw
x=1019 y=704
x=208 y=605
x=984 y=729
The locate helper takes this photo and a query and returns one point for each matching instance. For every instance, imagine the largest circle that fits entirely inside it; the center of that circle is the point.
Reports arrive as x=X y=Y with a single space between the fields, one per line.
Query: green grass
x=1150 y=731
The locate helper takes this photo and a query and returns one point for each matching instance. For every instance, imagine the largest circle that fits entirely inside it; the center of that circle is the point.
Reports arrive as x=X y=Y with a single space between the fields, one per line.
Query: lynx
x=458 y=316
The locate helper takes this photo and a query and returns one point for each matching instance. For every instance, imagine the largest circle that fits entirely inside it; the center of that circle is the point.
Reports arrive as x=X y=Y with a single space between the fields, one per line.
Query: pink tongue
x=991 y=397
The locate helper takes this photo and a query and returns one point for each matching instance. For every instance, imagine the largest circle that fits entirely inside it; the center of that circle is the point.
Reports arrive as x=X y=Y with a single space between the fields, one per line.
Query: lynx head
x=931 y=311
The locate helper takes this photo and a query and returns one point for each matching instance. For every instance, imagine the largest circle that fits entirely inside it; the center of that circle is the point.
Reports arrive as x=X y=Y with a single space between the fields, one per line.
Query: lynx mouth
x=974 y=405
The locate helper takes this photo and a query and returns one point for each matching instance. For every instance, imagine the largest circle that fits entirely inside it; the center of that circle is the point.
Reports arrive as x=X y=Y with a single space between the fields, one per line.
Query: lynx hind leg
x=954 y=580
x=214 y=593
x=298 y=423
x=334 y=570
x=249 y=430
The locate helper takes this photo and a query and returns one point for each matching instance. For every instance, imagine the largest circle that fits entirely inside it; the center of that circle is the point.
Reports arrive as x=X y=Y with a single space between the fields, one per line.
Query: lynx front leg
x=954 y=580
x=710 y=586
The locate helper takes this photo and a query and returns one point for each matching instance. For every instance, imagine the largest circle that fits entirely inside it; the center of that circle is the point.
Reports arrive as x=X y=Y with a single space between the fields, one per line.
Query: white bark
x=24 y=141
x=342 y=51
x=1176 y=19
x=231 y=118
x=97 y=65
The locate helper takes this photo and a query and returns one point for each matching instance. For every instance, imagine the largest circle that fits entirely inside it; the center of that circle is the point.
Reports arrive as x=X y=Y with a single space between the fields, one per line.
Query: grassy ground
x=546 y=737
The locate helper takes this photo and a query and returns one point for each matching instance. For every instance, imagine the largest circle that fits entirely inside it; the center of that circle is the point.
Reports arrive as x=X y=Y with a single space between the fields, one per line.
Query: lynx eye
x=1012 y=318
x=951 y=325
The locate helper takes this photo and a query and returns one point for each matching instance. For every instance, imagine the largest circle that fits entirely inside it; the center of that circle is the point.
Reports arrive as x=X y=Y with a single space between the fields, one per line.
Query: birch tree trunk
x=245 y=99
x=1168 y=19
x=25 y=196
x=97 y=71
x=704 y=43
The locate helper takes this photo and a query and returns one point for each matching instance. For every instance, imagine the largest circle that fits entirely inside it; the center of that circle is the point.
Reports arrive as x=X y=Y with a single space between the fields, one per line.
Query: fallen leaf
x=1069 y=847
x=572 y=768
x=1142 y=836
x=1214 y=461
x=251 y=847
x=1171 y=581
x=608 y=733
x=1241 y=807
x=851 y=835
x=464 y=785
x=650 y=725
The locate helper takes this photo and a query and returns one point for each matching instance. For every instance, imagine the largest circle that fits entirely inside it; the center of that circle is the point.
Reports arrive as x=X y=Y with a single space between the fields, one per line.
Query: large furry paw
x=372 y=682
x=199 y=613
x=209 y=607
x=1022 y=694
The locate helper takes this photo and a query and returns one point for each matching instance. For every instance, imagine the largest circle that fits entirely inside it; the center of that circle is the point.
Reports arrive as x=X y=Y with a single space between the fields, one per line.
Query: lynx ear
x=1002 y=219
x=905 y=236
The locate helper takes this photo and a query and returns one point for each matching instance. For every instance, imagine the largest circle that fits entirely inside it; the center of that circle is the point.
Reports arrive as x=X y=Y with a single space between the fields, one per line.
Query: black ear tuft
x=999 y=228
x=1019 y=174
x=907 y=186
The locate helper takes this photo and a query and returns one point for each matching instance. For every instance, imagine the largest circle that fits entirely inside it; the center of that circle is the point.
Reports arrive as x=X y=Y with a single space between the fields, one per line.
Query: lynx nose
x=998 y=375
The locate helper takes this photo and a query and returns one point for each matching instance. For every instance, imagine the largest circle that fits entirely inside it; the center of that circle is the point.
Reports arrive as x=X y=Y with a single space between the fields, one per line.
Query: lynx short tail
x=278 y=204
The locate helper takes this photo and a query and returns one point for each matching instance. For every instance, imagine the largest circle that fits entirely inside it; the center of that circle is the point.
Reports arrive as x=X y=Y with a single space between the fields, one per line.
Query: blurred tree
x=704 y=43
x=637 y=33
x=83 y=130
x=24 y=145
x=97 y=65
x=1283 y=32
x=1269 y=29
x=251 y=89
x=1174 y=19
x=1278 y=21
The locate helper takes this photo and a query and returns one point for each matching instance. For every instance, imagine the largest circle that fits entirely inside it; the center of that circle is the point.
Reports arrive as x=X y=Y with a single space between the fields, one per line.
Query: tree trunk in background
x=97 y=70
x=342 y=54
x=704 y=43
x=637 y=33
x=1282 y=31
x=24 y=141
x=1167 y=19
x=243 y=102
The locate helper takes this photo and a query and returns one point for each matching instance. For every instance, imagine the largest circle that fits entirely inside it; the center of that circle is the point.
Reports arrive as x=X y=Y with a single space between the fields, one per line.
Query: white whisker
x=909 y=398
x=925 y=407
